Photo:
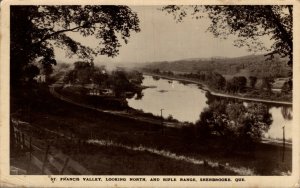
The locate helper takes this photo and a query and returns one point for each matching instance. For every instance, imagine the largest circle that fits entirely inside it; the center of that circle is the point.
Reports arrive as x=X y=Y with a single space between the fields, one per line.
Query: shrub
x=234 y=122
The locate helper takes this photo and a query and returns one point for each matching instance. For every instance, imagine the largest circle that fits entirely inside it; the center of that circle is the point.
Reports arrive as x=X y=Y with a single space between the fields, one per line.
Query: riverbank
x=125 y=111
x=146 y=115
x=89 y=124
x=206 y=88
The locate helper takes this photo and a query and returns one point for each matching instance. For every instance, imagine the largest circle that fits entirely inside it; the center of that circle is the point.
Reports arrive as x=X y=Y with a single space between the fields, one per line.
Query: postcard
x=149 y=93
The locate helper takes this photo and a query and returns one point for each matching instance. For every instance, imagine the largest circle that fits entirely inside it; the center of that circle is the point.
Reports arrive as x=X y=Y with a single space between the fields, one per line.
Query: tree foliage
x=255 y=65
x=240 y=82
x=267 y=84
x=217 y=81
x=119 y=80
x=234 y=121
x=249 y=23
x=236 y=84
x=287 y=87
x=37 y=30
x=253 y=81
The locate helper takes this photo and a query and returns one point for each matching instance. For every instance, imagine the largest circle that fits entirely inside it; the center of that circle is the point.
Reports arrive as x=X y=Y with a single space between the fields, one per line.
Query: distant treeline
x=253 y=65
x=241 y=85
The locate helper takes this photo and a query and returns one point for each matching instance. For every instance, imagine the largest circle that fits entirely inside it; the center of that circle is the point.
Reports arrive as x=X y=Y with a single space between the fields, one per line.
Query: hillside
x=254 y=65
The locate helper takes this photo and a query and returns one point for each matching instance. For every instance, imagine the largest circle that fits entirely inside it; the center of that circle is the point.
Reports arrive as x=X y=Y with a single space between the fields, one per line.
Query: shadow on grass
x=39 y=108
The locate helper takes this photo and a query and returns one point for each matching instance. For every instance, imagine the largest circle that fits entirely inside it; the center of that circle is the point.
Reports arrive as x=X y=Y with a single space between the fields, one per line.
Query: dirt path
x=204 y=87
x=118 y=113
x=251 y=99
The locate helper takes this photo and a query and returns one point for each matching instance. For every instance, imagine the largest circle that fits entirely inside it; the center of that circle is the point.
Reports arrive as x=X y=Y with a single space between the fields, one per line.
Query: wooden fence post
x=283 y=143
x=18 y=139
x=78 y=145
x=23 y=140
x=12 y=136
x=57 y=137
x=30 y=150
x=45 y=158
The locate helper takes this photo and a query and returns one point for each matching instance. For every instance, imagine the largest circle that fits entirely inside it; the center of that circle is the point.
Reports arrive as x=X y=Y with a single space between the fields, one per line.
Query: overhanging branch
x=56 y=33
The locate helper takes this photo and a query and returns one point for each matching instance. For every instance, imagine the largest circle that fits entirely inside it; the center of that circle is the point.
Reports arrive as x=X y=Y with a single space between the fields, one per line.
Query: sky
x=163 y=39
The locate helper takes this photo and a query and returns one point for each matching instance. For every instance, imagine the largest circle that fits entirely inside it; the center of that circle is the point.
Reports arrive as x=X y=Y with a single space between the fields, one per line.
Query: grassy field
x=119 y=161
x=45 y=111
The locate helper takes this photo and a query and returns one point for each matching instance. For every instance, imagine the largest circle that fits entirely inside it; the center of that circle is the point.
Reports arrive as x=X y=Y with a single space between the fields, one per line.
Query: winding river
x=185 y=102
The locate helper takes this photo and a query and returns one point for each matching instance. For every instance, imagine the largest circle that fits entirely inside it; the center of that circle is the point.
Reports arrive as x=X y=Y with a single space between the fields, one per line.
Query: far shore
x=206 y=88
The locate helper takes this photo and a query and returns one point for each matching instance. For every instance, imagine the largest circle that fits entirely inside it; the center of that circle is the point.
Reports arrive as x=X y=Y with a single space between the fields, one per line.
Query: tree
x=256 y=121
x=239 y=83
x=230 y=87
x=84 y=71
x=99 y=76
x=267 y=84
x=120 y=82
x=238 y=124
x=253 y=81
x=31 y=71
x=135 y=77
x=218 y=81
x=37 y=30
x=156 y=71
x=211 y=119
x=70 y=77
x=249 y=23
x=287 y=87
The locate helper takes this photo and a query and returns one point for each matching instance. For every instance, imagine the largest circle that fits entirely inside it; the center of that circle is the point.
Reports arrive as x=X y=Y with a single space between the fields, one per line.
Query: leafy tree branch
x=248 y=23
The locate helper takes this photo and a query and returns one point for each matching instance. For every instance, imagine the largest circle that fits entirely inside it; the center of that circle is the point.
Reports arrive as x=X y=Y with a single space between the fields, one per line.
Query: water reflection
x=280 y=119
x=185 y=102
x=287 y=113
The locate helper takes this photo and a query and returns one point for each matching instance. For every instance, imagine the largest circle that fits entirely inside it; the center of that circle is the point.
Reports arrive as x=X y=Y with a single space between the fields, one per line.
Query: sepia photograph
x=182 y=93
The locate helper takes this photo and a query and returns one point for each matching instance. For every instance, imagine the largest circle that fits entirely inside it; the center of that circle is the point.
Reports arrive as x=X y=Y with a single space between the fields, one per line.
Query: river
x=185 y=102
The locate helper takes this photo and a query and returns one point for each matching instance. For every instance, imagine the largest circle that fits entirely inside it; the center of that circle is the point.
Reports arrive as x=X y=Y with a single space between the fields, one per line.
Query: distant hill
x=254 y=65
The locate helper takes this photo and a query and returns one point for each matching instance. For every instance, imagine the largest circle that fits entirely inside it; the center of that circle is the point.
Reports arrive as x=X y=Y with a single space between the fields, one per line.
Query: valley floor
x=107 y=144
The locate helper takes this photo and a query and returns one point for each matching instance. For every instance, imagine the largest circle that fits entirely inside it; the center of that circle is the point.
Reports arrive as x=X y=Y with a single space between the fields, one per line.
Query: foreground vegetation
x=32 y=53
x=44 y=111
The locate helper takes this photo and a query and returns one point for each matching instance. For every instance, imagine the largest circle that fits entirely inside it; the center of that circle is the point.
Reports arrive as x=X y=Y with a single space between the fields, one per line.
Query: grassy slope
x=51 y=113
x=119 y=161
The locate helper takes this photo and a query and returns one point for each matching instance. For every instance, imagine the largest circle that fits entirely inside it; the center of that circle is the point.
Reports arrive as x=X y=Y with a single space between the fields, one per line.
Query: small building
x=101 y=92
x=91 y=86
x=94 y=92
x=107 y=92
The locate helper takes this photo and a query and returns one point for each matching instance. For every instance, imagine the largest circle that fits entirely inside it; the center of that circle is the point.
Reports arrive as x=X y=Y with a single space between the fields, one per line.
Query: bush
x=237 y=124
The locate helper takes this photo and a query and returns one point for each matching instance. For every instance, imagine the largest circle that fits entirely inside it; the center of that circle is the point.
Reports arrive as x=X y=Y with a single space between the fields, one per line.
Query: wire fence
x=39 y=152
